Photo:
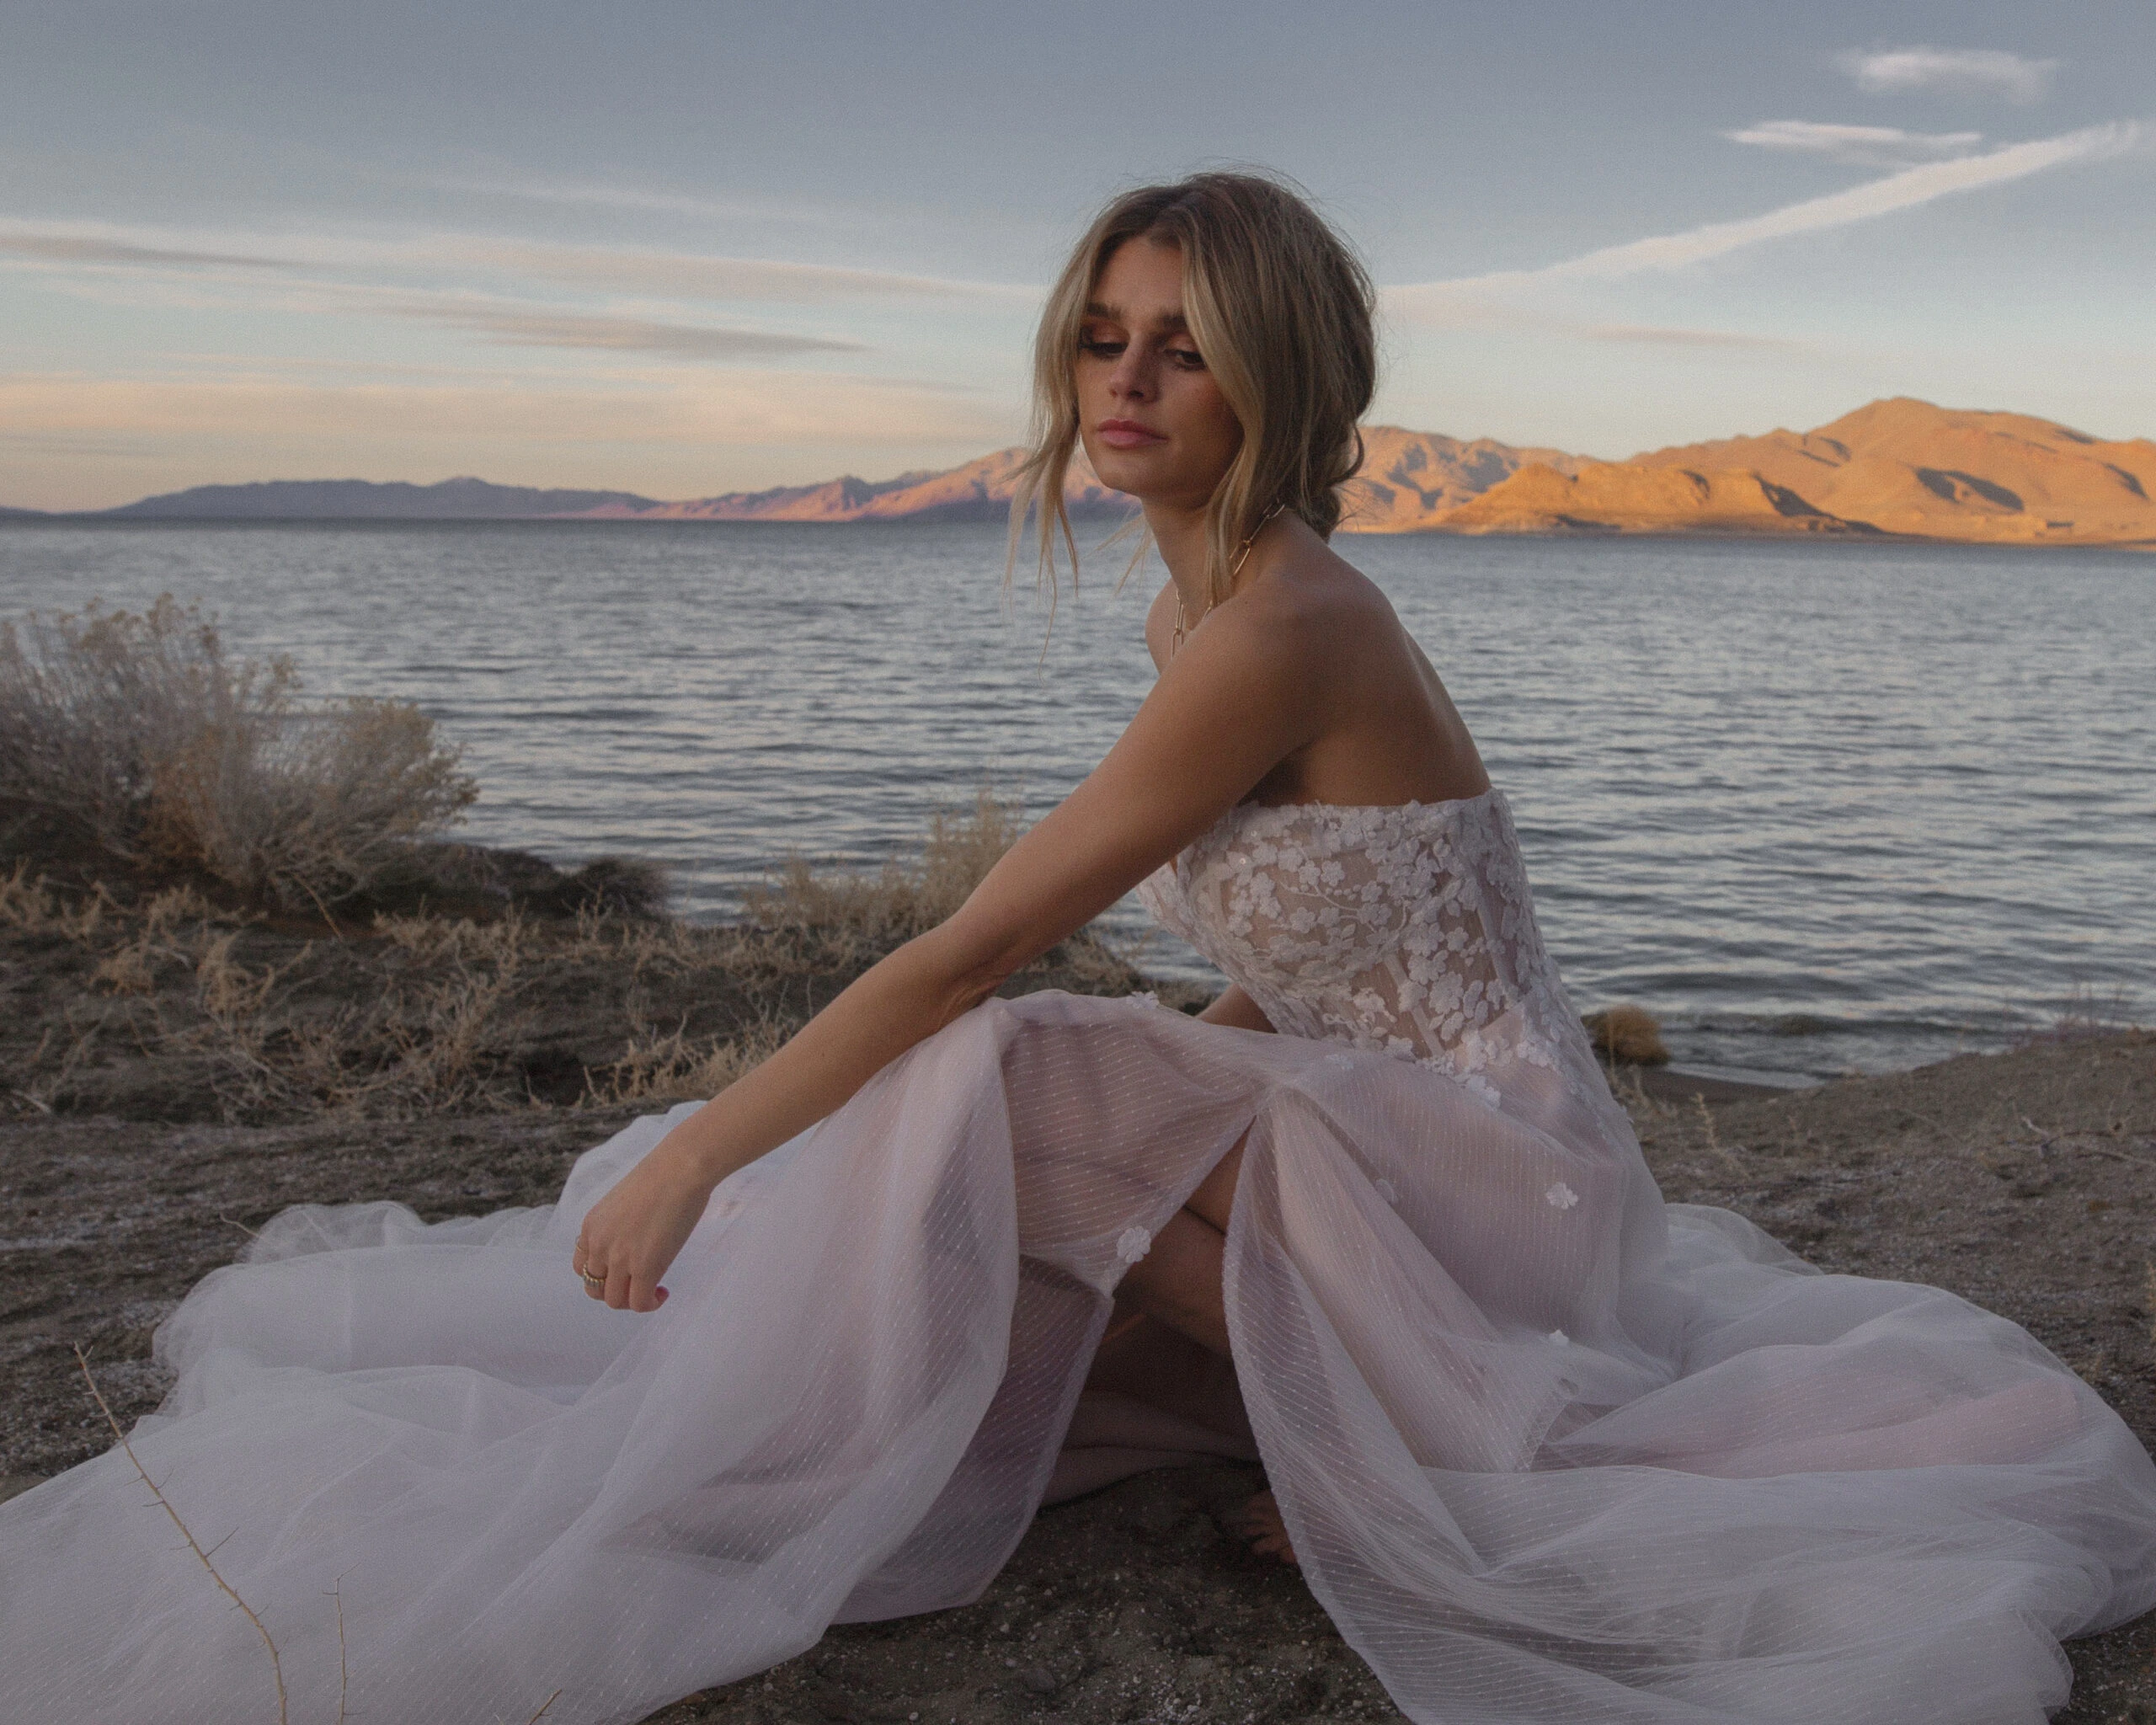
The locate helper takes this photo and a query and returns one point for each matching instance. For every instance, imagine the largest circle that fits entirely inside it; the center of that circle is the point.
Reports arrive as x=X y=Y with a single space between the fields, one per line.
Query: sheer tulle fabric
x=1549 y=1449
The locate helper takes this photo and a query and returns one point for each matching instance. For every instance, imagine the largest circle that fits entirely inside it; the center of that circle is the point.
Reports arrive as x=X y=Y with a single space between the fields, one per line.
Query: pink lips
x=1127 y=434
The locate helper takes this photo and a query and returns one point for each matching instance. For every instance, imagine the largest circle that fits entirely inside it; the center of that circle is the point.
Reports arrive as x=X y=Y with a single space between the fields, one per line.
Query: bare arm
x=1237 y=700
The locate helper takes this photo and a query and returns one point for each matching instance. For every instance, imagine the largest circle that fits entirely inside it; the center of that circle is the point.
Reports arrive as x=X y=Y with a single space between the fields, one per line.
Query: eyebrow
x=1097 y=309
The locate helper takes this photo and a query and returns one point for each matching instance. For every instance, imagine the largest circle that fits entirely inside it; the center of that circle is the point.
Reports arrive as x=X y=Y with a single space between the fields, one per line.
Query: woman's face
x=1153 y=422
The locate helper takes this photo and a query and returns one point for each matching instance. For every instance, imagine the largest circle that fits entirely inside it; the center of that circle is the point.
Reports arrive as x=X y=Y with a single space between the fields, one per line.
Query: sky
x=682 y=248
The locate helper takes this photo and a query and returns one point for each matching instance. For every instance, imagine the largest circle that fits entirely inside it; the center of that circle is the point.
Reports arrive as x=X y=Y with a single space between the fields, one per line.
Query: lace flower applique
x=1406 y=931
x=1133 y=1244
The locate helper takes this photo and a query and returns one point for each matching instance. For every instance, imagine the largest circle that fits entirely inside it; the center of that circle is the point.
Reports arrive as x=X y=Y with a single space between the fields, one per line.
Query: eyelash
x=1187 y=359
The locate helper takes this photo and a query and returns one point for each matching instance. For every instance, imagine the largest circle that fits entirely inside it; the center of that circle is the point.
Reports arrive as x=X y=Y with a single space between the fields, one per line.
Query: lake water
x=1818 y=807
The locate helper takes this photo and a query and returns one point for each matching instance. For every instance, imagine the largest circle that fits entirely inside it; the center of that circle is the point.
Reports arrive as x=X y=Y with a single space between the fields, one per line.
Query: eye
x=1100 y=348
x=1188 y=358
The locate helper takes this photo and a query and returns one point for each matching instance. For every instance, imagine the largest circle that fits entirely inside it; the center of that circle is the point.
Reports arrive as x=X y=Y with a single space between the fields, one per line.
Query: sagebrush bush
x=141 y=730
x=1628 y=1032
x=898 y=902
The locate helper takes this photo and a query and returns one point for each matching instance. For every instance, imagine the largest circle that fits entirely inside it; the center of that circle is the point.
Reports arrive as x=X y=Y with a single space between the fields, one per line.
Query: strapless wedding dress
x=1548 y=1449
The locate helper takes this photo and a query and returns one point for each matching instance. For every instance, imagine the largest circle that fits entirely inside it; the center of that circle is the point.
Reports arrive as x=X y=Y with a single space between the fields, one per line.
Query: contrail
x=1904 y=190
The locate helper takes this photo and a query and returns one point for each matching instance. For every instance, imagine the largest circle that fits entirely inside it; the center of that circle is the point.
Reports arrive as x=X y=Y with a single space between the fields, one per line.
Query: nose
x=1133 y=378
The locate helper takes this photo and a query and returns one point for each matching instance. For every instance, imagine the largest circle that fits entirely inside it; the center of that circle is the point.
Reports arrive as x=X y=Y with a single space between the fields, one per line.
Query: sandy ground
x=2023 y=1181
x=170 y=1077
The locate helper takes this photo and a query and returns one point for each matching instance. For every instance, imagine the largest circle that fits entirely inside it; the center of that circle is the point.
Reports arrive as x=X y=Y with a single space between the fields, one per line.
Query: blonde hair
x=1283 y=311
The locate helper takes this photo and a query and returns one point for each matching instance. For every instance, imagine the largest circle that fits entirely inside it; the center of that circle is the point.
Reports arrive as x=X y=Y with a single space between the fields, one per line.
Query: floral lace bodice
x=1407 y=930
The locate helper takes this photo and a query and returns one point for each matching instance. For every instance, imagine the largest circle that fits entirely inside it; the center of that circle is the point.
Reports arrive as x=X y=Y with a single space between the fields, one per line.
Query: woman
x=1545 y=1449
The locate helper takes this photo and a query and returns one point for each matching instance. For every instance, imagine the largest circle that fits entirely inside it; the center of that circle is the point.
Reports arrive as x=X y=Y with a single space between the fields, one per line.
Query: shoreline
x=1876 y=538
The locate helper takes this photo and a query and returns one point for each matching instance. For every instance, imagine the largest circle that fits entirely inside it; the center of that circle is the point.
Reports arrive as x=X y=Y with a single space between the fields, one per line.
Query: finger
x=617 y=1288
x=643 y=1296
x=597 y=1291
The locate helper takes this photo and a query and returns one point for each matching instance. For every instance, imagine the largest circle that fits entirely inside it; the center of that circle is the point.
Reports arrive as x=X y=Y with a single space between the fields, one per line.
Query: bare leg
x=1178 y=1280
x=1178 y=1284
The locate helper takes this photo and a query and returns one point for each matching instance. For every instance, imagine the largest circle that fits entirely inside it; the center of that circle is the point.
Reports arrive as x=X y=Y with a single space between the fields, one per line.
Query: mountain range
x=1899 y=467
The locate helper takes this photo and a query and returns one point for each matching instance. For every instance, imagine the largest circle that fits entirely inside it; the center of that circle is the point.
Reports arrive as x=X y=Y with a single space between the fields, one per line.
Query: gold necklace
x=1235 y=569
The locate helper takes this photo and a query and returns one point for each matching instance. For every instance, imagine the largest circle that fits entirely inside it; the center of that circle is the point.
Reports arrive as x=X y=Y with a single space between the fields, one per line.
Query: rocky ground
x=171 y=1080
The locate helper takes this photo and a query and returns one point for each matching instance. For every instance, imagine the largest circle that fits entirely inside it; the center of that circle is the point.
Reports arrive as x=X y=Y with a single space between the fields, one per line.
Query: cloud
x=522 y=326
x=600 y=196
x=76 y=248
x=1905 y=191
x=730 y=409
x=1668 y=335
x=602 y=268
x=1857 y=145
x=512 y=322
x=691 y=276
x=1982 y=72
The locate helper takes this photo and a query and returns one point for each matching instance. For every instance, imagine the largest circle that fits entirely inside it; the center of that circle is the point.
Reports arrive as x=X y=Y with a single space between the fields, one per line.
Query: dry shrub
x=674 y=1068
x=29 y=905
x=811 y=924
x=139 y=728
x=168 y=909
x=422 y=1043
x=1628 y=1033
x=128 y=970
x=459 y=941
x=885 y=908
x=152 y=940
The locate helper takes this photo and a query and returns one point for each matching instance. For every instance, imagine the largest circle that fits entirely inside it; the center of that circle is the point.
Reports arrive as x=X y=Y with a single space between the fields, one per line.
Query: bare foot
x=1259 y=1522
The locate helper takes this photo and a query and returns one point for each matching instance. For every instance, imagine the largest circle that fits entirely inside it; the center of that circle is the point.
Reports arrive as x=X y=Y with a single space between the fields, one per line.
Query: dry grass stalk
x=276 y=1662
x=416 y=1047
x=131 y=968
x=128 y=970
x=343 y=1682
x=25 y=902
x=164 y=913
x=434 y=1047
x=43 y=1093
x=30 y=905
x=231 y=993
x=459 y=941
x=672 y=1068
x=1713 y=1138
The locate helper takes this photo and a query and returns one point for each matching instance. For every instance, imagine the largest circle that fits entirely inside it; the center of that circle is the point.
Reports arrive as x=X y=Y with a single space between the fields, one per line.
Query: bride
x=1545 y=1448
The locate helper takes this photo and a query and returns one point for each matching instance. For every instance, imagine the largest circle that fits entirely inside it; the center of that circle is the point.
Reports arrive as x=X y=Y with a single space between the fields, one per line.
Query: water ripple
x=1818 y=806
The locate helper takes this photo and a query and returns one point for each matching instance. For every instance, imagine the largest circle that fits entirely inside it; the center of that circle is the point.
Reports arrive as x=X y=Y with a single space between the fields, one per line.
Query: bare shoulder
x=1315 y=602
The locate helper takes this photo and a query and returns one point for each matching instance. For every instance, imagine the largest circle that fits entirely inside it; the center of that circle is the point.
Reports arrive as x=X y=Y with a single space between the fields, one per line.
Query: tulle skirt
x=1548 y=1450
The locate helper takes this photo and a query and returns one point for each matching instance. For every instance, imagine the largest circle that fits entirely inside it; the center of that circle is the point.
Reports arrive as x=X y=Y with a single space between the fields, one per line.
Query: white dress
x=1548 y=1449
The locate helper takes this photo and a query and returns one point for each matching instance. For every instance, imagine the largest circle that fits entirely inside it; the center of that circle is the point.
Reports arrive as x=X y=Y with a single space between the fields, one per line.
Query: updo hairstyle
x=1282 y=310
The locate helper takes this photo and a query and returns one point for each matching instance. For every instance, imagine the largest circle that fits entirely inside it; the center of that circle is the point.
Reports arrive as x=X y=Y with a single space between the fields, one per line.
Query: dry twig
x=337 y=1595
x=276 y=1663
x=1714 y=1140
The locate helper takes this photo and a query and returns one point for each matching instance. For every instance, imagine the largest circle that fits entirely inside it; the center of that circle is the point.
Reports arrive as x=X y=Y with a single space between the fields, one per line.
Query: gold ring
x=592 y=1281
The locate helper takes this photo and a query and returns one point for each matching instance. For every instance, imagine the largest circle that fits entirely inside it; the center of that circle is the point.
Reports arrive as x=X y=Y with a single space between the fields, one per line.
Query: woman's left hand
x=632 y=1234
